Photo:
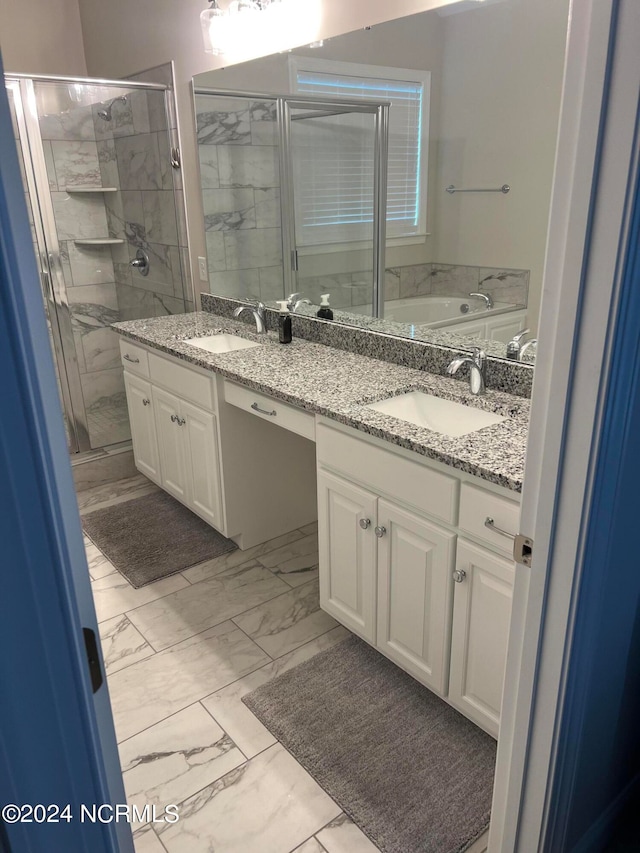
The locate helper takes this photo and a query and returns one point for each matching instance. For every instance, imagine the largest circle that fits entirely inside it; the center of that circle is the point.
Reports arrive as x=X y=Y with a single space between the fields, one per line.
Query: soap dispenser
x=284 y=322
x=325 y=312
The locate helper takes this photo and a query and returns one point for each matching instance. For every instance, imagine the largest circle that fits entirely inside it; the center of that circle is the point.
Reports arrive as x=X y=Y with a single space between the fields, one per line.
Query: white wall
x=122 y=37
x=38 y=37
x=509 y=138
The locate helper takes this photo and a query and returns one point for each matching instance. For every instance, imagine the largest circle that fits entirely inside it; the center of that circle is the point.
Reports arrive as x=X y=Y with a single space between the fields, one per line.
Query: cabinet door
x=415 y=565
x=201 y=433
x=481 y=618
x=171 y=444
x=143 y=427
x=503 y=327
x=347 y=552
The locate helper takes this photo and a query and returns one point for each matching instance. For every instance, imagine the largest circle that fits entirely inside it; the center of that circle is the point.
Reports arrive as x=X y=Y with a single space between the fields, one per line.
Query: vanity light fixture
x=221 y=27
x=213 y=22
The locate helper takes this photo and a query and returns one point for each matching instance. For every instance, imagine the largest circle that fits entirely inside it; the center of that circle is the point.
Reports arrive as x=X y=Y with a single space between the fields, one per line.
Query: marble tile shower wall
x=130 y=153
x=406 y=282
x=71 y=156
x=148 y=212
x=239 y=168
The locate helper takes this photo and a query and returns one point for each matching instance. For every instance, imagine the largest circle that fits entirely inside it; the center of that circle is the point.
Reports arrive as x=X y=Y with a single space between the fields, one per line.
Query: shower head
x=106 y=113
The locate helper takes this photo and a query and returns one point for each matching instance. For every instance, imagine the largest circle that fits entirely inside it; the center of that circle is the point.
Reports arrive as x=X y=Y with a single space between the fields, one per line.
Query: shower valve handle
x=141 y=262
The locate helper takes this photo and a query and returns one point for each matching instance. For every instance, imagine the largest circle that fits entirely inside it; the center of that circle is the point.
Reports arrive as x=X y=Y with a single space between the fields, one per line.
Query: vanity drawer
x=390 y=473
x=274 y=411
x=476 y=505
x=184 y=381
x=134 y=358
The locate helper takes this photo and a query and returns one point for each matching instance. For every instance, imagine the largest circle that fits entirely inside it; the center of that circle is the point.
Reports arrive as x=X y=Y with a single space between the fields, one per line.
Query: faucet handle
x=518 y=337
x=292 y=298
x=479 y=355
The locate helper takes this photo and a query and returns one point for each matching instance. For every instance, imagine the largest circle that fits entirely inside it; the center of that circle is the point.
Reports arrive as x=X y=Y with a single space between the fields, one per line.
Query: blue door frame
x=598 y=757
x=57 y=742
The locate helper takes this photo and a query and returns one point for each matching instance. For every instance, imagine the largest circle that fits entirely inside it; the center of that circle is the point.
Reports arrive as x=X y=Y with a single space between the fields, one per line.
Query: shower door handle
x=45 y=281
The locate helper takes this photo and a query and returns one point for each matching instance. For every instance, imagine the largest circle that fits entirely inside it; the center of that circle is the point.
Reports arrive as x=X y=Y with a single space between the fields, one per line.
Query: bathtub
x=437 y=311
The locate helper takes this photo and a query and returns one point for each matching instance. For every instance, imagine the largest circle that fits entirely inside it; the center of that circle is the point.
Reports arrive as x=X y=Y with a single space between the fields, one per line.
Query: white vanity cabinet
x=245 y=465
x=415 y=560
x=483 y=593
x=143 y=426
x=347 y=517
x=174 y=429
x=480 y=633
x=187 y=444
x=394 y=532
x=384 y=575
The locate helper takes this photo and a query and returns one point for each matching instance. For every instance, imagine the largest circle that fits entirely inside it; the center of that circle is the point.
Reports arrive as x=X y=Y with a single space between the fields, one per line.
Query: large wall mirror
x=405 y=170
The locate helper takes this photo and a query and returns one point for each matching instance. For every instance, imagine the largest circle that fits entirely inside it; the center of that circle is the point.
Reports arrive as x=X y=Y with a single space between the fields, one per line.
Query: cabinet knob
x=146 y=402
x=380 y=531
x=174 y=419
x=365 y=523
x=180 y=421
x=459 y=575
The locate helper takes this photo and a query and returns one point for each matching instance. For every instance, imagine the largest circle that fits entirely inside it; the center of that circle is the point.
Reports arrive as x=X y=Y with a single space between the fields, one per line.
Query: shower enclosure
x=96 y=162
x=294 y=196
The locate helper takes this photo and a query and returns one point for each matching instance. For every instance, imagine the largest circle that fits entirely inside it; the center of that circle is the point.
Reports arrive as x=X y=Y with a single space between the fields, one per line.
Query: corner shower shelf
x=102 y=241
x=88 y=189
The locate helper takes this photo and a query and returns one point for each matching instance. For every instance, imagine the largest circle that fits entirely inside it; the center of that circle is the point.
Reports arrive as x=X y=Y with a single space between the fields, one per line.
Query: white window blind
x=334 y=162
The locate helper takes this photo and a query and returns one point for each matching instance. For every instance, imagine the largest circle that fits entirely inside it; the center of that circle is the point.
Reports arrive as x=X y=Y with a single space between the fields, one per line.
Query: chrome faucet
x=259 y=315
x=294 y=302
x=532 y=343
x=488 y=300
x=477 y=362
x=514 y=347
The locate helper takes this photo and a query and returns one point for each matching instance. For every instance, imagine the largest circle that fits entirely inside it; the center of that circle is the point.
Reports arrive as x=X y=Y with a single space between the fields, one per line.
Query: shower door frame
x=337 y=106
x=53 y=283
x=284 y=105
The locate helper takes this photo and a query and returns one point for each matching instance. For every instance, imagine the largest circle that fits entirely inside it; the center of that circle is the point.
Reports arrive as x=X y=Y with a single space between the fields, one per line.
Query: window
x=335 y=163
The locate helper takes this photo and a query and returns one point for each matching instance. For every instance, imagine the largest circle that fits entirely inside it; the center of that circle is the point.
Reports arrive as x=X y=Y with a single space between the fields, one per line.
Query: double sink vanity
x=414 y=481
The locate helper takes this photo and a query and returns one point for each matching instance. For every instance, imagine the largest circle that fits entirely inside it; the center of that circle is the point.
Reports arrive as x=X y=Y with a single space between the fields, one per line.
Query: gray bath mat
x=152 y=537
x=411 y=772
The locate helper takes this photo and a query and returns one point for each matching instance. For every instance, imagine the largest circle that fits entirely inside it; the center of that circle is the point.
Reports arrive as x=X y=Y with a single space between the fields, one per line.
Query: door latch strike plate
x=523 y=549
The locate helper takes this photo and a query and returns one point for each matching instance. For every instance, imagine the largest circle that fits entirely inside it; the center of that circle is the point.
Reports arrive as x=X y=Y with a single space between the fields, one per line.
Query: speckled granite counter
x=339 y=384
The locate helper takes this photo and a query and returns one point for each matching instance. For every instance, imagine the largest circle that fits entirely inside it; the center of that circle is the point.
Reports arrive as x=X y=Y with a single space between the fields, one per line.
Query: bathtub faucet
x=488 y=301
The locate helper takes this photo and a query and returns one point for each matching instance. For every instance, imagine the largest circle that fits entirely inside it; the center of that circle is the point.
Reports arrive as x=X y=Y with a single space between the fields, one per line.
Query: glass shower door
x=337 y=192
x=76 y=437
x=100 y=177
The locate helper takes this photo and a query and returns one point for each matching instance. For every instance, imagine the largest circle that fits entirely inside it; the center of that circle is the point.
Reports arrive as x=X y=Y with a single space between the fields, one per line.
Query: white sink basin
x=436 y=414
x=221 y=343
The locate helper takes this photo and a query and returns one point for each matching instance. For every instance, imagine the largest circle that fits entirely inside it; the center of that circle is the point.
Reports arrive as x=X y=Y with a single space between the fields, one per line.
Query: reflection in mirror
x=474 y=95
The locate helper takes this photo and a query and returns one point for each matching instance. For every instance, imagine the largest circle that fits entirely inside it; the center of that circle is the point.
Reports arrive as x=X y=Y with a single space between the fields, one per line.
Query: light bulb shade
x=213 y=22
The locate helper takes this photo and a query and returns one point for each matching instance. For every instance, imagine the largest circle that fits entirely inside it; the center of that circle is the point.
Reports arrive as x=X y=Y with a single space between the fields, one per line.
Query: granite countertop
x=339 y=384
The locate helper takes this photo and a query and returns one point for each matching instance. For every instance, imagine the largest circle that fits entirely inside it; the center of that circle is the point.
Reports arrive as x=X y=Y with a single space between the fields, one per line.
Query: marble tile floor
x=179 y=656
x=178 y=662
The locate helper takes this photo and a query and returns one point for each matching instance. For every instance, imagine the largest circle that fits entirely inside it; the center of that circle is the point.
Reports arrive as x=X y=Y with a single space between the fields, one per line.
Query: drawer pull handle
x=127 y=357
x=490 y=523
x=256 y=408
x=178 y=420
x=459 y=575
x=146 y=402
x=380 y=531
x=365 y=523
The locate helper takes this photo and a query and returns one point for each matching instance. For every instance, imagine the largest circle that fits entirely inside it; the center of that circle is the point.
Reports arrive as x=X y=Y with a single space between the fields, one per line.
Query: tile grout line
x=204 y=630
